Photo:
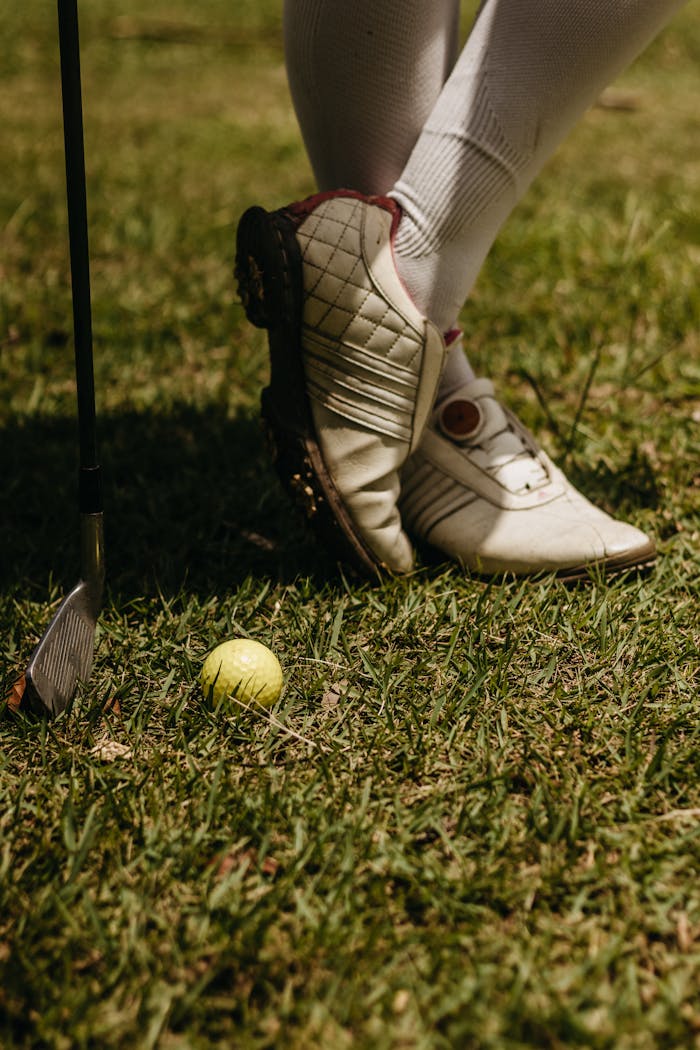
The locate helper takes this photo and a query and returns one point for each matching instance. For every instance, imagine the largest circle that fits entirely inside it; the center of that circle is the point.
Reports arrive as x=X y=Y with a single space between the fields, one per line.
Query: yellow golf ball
x=242 y=669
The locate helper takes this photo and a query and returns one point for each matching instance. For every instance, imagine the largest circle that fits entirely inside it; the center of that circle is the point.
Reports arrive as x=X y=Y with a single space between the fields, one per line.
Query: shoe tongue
x=472 y=417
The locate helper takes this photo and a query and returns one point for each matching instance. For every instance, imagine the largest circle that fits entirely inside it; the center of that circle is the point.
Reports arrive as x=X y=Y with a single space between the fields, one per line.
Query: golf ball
x=243 y=669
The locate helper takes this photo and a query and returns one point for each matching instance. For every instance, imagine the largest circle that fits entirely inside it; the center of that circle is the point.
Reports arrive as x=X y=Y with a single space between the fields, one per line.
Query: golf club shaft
x=90 y=482
x=64 y=655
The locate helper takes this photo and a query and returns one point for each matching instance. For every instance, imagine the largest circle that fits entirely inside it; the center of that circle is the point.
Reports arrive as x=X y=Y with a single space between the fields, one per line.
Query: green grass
x=473 y=818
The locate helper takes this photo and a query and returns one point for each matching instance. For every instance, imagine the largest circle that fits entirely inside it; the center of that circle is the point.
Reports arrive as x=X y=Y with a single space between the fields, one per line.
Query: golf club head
x=64 y=655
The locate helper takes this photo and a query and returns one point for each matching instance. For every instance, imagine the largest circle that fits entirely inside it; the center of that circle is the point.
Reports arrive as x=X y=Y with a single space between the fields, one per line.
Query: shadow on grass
x=191 y=501
x=621 y=489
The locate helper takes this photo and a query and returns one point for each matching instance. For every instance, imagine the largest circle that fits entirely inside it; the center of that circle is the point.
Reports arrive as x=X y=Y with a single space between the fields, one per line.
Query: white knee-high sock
x=364 y=77
x=528 y=71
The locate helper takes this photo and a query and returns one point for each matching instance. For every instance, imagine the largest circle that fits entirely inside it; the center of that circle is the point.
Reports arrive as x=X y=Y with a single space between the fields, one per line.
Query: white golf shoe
x=354 y=365
x=480 y=490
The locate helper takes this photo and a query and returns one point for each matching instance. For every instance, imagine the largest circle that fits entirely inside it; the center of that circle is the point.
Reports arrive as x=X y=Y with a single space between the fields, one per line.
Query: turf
x=473 y=818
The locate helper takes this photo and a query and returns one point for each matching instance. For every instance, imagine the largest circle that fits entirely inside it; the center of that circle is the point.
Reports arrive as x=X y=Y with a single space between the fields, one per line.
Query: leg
x=322 y=277
x=354 y=365
x=364 y=77
x=479 y=488
x=527 y=73
x=366 y=363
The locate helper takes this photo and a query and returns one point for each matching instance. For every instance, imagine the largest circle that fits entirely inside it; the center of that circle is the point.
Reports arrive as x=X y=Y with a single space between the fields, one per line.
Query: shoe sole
x=270 y=285
x=641 y=561
x=638 y=561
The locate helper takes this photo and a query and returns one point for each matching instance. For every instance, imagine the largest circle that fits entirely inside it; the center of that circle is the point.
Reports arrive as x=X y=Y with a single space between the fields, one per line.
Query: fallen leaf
x=113 y=707
x=247 y=858
x=14 y=700
x=231 y=861
x=684 y=935
x=269 y=866
x=333 y=694
x=111 y=751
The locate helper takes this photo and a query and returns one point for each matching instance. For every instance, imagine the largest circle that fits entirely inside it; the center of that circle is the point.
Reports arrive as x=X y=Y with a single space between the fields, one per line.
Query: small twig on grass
x=275 y=722
x=582 y=401
x=650 y=364
x=551 y=421
x=567 y=443
x=678 y=814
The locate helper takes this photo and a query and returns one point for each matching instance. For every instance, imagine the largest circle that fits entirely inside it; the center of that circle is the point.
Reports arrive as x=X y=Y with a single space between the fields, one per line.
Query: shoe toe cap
x=553 y=538
x=625 y=544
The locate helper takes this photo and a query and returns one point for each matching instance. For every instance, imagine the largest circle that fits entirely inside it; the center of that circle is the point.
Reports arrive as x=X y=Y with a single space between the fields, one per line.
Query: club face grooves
x=64 y=655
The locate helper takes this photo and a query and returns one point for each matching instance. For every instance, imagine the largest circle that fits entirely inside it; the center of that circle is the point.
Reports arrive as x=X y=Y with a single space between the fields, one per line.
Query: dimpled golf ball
x=243 y=669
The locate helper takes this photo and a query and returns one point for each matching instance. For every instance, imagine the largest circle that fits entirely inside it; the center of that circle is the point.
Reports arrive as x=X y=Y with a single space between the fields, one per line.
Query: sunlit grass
x=472 y=817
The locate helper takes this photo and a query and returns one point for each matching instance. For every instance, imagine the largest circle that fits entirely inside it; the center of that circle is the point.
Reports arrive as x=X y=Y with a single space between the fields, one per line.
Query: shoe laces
x=492 y=437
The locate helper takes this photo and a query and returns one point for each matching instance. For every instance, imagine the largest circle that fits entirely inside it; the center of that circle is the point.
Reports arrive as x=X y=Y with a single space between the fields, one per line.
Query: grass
x=473 y=817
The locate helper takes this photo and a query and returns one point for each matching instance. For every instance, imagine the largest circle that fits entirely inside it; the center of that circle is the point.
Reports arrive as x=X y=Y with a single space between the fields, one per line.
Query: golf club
x=64 y=655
